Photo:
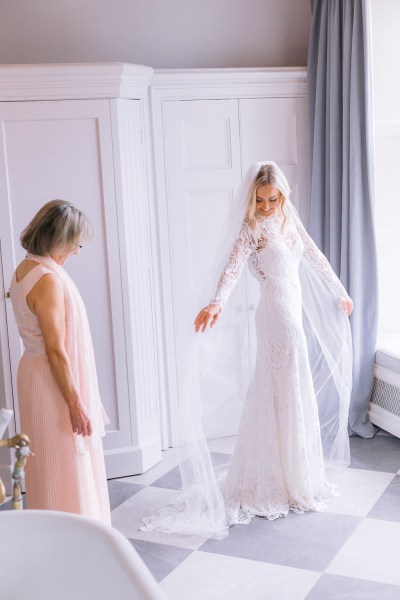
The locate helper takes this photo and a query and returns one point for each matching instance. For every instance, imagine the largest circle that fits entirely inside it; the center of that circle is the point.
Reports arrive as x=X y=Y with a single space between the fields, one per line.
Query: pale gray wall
x=159 y=33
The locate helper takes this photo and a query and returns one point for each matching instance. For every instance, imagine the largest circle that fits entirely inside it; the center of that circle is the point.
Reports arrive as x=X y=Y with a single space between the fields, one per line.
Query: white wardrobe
x=78 y=132
x=154 y=159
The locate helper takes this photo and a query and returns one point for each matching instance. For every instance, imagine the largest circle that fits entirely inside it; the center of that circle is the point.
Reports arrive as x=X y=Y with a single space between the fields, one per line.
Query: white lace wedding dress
x=278 y=462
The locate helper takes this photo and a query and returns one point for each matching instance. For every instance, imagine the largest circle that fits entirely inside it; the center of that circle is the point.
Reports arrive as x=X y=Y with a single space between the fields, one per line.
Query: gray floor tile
x=172 y=480
x=307 y=541
x=381 y=453
x=119 y=492
x=388 y=505
x=220 y=458
x=160 y=559
x=335 y=587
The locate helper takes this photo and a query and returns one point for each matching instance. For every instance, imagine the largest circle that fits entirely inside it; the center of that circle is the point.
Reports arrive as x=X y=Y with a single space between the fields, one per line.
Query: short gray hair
x=57 y=226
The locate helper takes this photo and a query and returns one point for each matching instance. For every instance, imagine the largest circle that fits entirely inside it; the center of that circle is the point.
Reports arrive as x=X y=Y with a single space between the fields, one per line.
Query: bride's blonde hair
x=269 y=174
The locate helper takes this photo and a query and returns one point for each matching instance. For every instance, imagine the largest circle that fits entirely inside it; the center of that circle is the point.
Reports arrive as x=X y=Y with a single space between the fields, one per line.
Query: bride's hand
x=347 y=305
x=207 y=314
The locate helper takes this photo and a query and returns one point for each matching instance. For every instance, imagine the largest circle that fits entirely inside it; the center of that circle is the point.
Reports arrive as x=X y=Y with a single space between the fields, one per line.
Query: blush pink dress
x=66 y=472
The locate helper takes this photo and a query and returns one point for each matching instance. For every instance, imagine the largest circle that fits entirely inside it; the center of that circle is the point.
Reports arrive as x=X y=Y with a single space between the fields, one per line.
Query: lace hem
x=242 y=515
x=173 y=519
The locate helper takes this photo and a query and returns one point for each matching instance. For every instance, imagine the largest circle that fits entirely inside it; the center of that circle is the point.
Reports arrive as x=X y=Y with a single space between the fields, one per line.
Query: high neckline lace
x=274 y=220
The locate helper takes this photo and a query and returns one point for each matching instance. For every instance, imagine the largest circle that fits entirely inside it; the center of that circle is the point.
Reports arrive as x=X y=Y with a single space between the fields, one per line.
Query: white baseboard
x=132 y=460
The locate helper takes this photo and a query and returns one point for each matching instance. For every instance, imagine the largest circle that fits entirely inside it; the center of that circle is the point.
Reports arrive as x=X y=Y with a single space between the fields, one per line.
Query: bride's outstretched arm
x=241 y=251
x=320 y=263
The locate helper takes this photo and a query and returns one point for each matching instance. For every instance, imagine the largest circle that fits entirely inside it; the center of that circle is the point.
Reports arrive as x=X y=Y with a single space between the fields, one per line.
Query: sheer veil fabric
x=200 y=508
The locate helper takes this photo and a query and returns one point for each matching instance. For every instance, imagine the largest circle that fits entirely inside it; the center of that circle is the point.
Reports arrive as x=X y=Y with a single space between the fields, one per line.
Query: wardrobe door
x=202 y=162
x=276 y=129
x=64 y=149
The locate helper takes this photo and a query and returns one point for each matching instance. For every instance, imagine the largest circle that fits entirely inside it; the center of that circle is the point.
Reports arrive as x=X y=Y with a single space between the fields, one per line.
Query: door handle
x=8 y=295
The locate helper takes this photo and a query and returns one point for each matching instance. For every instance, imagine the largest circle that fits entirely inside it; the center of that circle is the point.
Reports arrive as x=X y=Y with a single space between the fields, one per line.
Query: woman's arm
x=241 y=251
x=320 y=263
x=46 y=300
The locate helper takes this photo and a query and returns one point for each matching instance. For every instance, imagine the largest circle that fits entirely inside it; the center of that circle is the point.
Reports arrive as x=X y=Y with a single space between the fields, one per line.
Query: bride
x=278 y=461
x=294 y=420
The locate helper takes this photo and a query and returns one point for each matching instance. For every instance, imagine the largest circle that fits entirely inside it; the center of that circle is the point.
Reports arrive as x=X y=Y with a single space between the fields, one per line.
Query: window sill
x=388 y=353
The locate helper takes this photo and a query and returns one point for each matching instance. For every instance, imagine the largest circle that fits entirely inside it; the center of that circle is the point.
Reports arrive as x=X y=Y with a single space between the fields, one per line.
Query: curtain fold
x=341 y=174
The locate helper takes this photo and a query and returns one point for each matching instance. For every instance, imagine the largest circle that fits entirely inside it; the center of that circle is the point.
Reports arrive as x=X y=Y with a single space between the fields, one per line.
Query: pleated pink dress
x=58 y=476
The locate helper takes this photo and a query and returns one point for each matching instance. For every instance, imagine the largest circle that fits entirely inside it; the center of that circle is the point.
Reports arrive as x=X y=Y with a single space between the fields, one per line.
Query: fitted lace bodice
x=274 y=252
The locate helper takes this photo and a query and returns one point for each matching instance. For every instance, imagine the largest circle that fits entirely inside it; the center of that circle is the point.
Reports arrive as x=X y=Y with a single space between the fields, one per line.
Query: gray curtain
x=341 y=174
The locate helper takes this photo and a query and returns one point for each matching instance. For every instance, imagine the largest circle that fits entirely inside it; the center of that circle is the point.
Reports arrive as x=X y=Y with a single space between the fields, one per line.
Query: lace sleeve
x=320 y=263
x=241 y=251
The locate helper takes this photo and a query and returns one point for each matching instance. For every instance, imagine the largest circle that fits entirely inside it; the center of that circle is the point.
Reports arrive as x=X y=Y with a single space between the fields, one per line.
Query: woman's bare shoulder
x=47 y=292
x=49 y=286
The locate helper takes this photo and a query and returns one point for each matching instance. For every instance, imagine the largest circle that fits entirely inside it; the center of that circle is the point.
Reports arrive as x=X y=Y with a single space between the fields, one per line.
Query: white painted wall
x=386 y=68
x=159 y=33
x=385 y=19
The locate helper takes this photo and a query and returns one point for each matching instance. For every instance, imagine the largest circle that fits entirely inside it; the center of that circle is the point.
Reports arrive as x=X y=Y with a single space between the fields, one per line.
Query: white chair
x=48 y=555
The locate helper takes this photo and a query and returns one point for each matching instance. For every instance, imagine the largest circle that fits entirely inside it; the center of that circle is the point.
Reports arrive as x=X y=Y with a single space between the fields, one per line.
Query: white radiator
x=384 y=408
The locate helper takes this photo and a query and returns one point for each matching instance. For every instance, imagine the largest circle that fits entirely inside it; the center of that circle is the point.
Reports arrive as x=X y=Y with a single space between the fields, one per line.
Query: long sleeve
x=320 y=263
x=241 y=251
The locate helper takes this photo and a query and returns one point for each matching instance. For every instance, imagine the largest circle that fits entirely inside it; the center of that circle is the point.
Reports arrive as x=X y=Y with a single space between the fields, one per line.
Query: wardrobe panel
x=276 y=129
x=202 y=161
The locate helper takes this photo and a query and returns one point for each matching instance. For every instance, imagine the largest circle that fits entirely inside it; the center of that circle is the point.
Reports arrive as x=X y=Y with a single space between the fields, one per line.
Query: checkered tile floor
x=351 y=551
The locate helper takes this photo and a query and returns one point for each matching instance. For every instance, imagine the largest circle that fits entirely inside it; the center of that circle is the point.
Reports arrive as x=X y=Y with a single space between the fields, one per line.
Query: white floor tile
x=359 y=490
x=207 y=576
x=371 y=552
x=127 y=518
x=168 y=462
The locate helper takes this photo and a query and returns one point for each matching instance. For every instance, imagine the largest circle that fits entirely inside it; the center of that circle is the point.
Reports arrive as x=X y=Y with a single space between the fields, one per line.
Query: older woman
x=59 y=401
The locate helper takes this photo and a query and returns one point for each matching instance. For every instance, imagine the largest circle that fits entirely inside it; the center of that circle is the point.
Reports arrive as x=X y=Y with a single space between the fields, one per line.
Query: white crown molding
x=252 y=75
x=67 y=81
x=238 y=83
